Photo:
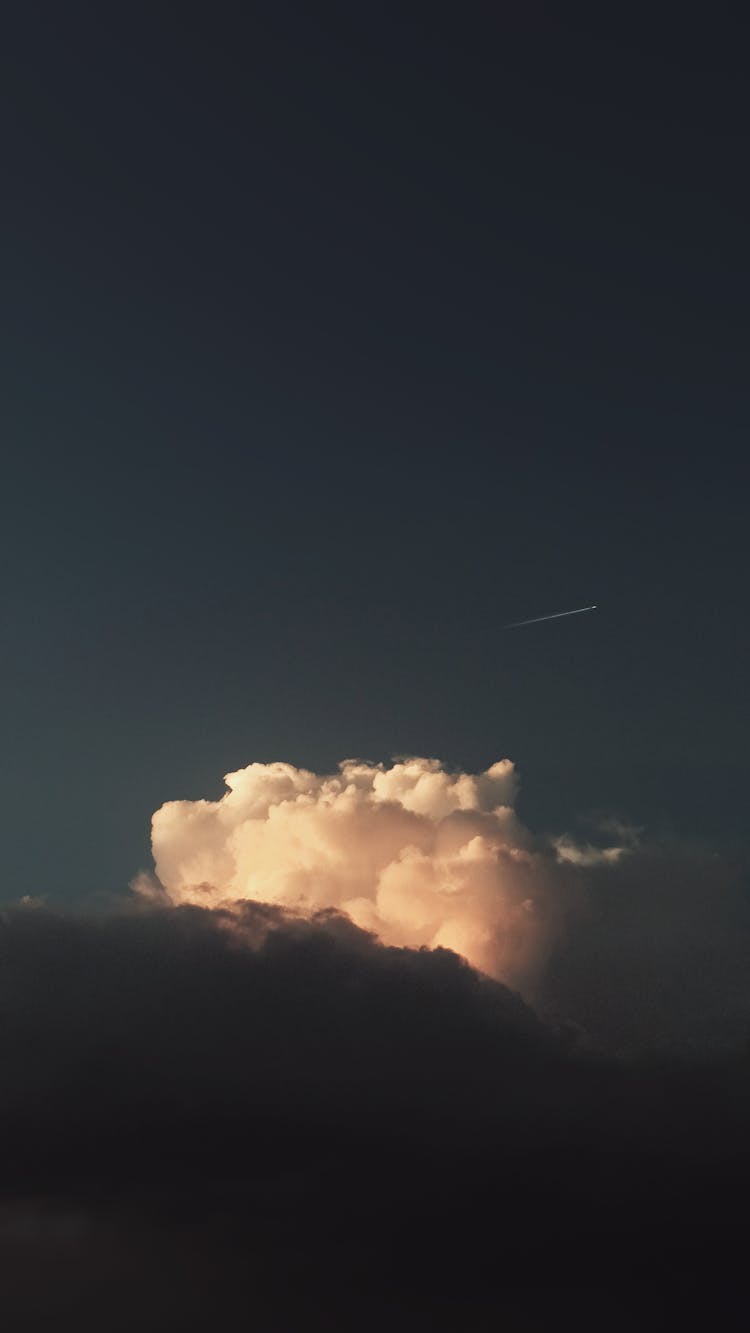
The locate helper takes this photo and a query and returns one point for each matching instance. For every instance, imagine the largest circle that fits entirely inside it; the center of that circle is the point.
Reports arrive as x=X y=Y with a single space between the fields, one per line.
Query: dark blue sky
x=335 y=337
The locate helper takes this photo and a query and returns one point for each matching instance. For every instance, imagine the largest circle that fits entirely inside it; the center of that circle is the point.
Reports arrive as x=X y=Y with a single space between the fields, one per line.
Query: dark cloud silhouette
x=657 y=953
x=287 y=1124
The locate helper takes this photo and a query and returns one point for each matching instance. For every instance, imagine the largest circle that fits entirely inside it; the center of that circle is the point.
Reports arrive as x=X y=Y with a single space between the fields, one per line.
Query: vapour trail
x=556 y=616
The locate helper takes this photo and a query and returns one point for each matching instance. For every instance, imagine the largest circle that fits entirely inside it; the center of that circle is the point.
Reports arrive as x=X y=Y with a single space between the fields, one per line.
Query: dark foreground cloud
x=262 y=1122
x=655 y=954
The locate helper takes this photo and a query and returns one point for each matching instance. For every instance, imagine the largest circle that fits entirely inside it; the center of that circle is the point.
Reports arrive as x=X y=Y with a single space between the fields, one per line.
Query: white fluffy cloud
x=418 y=855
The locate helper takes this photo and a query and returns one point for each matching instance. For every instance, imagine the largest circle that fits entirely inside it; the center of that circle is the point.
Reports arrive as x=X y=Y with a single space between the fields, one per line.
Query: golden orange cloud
x=419 y=856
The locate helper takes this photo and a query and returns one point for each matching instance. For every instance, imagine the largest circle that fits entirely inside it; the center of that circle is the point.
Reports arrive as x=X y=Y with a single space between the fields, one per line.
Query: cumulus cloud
x=271 y=1088
x=419 y=856
x=641 y=943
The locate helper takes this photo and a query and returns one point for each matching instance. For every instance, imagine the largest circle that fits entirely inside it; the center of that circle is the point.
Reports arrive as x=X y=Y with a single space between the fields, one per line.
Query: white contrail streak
x=557 y=616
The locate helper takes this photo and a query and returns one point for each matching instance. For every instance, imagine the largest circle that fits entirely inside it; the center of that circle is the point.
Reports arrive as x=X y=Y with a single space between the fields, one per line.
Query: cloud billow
x=368 y=1053
x=417 y=855
x=642 y=943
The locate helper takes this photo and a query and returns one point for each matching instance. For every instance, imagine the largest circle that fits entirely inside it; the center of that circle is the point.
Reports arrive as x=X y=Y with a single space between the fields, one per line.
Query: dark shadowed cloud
x=656 y=951
x=281 y=1120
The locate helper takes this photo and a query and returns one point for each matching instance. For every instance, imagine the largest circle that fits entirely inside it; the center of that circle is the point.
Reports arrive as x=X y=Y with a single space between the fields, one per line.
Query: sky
x=334 y=342
x=363 y=959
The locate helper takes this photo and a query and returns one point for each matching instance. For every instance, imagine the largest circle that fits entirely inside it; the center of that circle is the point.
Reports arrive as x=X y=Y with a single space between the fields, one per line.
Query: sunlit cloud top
x=420 y=856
